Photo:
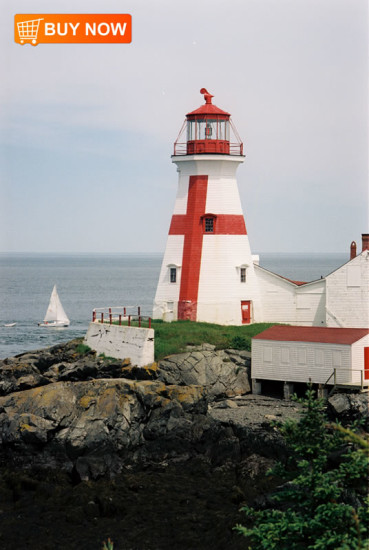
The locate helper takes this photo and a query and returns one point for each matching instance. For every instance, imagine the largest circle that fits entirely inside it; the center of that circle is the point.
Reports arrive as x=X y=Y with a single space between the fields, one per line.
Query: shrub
x=108 y=545
x=324 y=503
x=82 y=349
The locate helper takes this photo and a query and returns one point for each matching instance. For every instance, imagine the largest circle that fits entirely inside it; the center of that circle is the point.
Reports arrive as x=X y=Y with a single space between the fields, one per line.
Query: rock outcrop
x=224 y=373
x=92 y=416
x=92 y=447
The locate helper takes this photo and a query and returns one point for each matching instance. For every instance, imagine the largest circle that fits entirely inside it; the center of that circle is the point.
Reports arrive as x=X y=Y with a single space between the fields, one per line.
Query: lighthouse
x=208 y=272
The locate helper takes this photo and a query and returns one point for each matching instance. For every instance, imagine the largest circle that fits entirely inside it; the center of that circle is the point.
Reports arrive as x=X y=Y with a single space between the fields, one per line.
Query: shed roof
x=325 y=335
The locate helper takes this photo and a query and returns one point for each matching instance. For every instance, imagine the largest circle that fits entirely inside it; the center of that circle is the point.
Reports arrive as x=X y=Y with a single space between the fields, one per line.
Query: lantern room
x=208 y=130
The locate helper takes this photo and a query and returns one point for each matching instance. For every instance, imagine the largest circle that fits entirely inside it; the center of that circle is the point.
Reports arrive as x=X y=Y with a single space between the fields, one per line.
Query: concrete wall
x=123 y=342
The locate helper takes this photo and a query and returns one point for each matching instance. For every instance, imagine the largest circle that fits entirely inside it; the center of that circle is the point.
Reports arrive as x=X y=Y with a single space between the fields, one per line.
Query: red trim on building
x=192 y=227
x=324 y=335
x=230 y=224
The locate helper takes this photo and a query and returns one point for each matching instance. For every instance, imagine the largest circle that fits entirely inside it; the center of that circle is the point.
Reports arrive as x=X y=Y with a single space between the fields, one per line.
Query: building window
x=243 y=274
x=319 y=357
x=353 y=275
x=173 y=274
x=209 y=225
x=337 y=359
x=301 y=356
x=285 y=356
x=267 y=354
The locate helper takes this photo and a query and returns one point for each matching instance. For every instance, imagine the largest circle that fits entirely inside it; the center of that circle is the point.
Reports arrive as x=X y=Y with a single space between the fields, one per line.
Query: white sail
x=55 y=312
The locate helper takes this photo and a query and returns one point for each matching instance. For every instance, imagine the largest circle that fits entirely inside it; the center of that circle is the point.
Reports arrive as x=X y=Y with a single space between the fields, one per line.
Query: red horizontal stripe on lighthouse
x=229 y=224
x=225 y=224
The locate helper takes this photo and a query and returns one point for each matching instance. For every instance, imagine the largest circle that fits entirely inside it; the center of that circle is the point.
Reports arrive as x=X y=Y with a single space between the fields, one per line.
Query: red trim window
x=209 y=223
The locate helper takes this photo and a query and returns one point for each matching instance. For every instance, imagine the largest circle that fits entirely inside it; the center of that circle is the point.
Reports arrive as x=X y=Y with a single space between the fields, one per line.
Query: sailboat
x=55 y=314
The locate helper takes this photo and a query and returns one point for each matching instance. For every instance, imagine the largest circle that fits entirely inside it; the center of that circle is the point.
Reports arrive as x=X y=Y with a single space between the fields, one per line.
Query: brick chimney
x=365 y=241
x=353 y=250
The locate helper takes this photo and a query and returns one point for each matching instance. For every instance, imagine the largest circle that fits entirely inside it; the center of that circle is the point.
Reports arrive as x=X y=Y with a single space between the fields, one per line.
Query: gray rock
x=349 y=406
x=339 y=403
x=222 y=373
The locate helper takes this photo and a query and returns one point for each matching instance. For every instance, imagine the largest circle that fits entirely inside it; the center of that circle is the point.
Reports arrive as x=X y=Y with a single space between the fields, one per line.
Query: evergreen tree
x=324 y=503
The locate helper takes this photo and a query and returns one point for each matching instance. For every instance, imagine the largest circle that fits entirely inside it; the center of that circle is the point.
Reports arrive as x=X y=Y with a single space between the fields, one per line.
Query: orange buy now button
x=57 y=28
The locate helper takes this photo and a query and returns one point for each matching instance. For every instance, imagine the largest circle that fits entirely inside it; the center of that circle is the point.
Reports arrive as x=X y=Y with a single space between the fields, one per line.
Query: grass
x=82 y=349
x=173 y=337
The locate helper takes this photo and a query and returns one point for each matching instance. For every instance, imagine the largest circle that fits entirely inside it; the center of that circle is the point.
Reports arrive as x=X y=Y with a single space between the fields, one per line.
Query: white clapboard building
x=208 y=271
x=320 y=355
x=341 y=299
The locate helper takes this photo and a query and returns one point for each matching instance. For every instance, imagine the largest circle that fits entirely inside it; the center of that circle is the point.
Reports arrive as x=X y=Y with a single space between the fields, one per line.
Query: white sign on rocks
x=122 y=342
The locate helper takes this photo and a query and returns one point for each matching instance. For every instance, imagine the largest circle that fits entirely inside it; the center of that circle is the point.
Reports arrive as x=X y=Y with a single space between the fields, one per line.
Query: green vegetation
x=108 y=545
x=82 y=349
x=324 y=502
x=106 y=357
x=173 y=337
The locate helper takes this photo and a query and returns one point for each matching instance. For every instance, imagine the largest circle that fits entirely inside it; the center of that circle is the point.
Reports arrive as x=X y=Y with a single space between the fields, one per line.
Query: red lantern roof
x=208 y=108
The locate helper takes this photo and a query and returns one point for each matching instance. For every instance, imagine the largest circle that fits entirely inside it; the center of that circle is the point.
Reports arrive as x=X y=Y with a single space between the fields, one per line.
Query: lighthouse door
x=246 y=312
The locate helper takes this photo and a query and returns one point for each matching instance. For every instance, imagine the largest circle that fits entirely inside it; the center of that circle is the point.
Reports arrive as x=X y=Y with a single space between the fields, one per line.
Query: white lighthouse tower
x=207 y=272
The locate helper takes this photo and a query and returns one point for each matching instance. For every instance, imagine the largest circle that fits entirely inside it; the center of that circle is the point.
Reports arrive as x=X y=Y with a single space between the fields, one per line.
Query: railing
x=180 y=149
x=336 y=376
x=119 y=315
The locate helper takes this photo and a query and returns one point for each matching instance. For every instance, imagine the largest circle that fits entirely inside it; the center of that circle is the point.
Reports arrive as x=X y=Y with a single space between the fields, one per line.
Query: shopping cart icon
x=27 y=30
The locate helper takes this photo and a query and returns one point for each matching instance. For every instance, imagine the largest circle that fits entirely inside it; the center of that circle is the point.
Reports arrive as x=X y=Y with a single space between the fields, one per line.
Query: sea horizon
x=102 y=279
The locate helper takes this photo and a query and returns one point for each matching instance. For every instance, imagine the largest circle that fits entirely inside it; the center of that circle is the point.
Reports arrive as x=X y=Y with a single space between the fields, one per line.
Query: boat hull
x=54 y=324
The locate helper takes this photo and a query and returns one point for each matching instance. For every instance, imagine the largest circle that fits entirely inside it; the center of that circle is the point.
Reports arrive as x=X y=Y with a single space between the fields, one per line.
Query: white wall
x=357 y=358
x=299 y=361
x=310 y=304
x=277 y=296
x=285 y=302
x=347 y=289
x=122 y=342
x=220 y=289
x=166 y=291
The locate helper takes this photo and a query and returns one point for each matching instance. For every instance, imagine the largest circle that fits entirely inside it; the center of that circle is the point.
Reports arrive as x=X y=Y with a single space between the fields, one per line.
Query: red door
x=366 y=363
x=246 y=312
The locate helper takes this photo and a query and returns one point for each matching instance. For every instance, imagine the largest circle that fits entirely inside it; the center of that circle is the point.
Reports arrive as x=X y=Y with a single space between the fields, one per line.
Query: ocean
x=88 y=281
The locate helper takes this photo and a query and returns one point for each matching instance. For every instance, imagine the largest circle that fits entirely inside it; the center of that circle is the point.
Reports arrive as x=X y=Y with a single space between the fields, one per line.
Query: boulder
x=224 y=373
x=348 y=407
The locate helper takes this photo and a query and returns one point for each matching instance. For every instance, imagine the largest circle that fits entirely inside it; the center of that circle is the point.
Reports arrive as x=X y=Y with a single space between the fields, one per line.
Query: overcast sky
x=87 y=130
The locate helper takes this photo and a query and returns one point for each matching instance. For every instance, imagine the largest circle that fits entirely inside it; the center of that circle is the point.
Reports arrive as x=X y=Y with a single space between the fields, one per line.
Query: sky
x=87 y=130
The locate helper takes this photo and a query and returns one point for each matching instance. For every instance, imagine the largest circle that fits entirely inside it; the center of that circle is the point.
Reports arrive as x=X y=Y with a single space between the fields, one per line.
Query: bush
x=324 y=503
x=82 y=349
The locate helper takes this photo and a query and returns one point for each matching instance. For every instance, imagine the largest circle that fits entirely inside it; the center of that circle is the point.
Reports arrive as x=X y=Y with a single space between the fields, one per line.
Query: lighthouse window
x=209 y=225
x=206 y=129
x=243 y=274
x=173 y=274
